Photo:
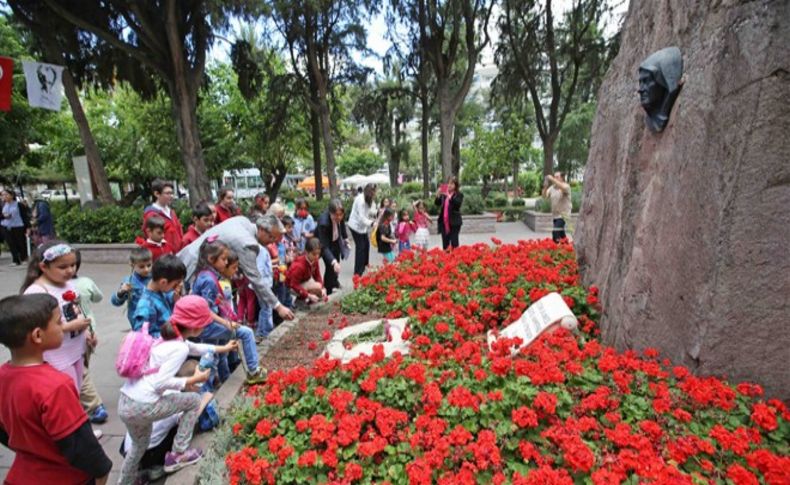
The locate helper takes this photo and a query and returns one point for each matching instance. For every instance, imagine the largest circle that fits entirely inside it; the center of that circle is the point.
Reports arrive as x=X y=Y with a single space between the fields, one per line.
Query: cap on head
x=191 y=311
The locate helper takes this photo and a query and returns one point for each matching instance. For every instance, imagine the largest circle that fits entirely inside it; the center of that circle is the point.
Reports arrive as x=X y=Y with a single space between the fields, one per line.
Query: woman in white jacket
x=360 y=222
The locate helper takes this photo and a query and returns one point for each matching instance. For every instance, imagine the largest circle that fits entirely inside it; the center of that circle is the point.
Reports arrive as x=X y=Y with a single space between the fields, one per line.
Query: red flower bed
x=564 y=410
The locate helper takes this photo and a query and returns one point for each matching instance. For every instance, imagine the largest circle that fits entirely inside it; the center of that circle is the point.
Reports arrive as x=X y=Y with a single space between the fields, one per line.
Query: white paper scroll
x=549 y=310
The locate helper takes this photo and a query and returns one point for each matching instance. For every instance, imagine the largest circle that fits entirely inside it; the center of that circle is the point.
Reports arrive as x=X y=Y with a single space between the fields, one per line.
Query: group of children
x=46 y=416
x=390 y=232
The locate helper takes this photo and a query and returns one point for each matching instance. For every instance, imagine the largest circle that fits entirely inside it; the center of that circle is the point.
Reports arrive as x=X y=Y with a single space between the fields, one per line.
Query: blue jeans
x=404 y=246
x=265 y=323
x=215 y=331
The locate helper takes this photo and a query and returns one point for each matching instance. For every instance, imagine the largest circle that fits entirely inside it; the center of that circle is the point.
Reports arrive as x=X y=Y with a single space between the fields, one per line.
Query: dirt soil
x=294 y=348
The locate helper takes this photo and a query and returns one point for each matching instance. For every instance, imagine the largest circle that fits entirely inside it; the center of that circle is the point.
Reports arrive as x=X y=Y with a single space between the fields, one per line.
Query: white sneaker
x=97 y=433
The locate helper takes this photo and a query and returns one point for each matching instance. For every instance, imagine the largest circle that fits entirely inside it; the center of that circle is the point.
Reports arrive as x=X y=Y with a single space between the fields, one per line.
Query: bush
x=411 y=187
x=473 y=204
x=530 y=183
x=518 y=202
x=496 y=199
x=108 y=224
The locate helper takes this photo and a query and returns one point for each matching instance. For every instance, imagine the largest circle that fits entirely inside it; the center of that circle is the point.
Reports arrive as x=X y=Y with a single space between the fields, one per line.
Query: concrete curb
x=231 y=388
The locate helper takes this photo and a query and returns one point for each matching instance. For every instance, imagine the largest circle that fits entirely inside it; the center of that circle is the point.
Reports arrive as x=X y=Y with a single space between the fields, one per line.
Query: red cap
x=191 y=311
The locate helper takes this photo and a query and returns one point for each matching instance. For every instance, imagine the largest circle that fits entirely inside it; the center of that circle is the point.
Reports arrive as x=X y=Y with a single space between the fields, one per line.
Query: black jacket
x=330 y=250
x=455 y=210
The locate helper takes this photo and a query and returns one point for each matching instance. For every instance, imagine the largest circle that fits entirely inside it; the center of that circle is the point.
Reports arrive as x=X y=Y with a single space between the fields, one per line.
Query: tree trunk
x=456 y=155
x=98 y=173
x=185 y=117
x=315 y=131
x=329 y=148
x=274 y=180
x=515 y=175
x=548 y=155
x=395 y=152
x=446 y=130
x=426 y=180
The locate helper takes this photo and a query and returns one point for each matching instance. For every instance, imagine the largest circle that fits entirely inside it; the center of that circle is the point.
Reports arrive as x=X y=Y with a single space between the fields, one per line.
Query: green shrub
x=518 y=202
x=411 y=187
x=530 y=183
x=473 y=203
x=108 y=224
x=496 y=199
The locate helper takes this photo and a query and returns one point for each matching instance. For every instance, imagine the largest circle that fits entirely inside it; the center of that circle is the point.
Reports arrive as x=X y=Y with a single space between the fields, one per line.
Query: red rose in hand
x=70 y=296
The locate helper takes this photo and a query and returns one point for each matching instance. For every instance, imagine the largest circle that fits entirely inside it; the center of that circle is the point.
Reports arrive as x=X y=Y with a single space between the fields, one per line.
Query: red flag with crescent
x=6 y=78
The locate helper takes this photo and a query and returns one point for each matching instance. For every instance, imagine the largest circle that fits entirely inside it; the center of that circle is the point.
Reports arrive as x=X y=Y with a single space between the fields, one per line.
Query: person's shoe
x=99 y=415
x=258 y=376
x=176 y=461
x=97 y=433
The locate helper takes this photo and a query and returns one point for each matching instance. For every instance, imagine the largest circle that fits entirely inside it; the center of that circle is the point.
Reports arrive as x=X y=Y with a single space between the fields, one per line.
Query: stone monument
x=687 y=231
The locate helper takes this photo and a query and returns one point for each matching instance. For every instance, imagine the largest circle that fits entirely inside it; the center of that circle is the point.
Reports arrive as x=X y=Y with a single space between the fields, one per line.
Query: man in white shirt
x=559 y=194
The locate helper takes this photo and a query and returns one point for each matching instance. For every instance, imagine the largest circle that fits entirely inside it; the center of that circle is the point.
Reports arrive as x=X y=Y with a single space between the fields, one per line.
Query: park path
x=112 y=326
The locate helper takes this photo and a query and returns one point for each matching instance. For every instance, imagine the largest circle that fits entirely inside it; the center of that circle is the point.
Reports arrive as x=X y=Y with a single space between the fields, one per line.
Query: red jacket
x=302 y=270
x=224 y=214
x=174 y=233
x=157 y=249
x=190 y=236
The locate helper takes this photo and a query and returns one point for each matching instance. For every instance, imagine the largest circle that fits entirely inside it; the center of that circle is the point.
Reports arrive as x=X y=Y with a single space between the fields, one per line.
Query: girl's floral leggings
x=139 y=418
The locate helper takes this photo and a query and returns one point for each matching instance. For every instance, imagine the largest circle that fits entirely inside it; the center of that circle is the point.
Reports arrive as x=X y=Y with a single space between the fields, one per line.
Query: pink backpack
x=132 y=360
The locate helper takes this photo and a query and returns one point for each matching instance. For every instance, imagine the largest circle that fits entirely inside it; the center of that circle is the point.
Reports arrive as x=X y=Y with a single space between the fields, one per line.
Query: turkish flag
x=6 y=78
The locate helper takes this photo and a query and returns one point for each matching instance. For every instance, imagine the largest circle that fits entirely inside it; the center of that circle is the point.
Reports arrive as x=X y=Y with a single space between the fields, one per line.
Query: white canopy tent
x=353 y=181
x=378 y=179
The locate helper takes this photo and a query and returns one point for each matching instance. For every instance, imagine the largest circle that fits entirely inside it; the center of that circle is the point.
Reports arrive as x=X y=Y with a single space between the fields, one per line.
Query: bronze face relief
x=659 y=85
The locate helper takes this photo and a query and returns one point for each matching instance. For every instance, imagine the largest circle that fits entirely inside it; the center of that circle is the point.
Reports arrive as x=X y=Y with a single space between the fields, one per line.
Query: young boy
x=304 y=275
x=41 y=419
x=89 y=294
x=202 y=220
x=164 y=193
x=132 y=286
x=155 y=234
x=161 y=293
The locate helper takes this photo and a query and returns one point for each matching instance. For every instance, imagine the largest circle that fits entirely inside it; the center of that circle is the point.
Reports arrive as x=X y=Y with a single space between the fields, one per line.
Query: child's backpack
x=132 y=360
x=209 y=418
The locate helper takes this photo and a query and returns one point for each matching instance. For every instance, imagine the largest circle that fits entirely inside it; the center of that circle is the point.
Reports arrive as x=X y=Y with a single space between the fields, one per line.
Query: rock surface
x=687 y=232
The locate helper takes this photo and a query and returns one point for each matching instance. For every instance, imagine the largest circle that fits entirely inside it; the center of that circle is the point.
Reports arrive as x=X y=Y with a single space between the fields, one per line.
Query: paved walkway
x=112 y=326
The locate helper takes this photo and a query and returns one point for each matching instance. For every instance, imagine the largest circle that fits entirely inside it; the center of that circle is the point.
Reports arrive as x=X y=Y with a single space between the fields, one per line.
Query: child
x=40 y=414
x=155 y=234
x=394 y=222
x=405 y=229
x=132 y=286
x=384 y=236
x=304 y=225
x=144 y=401
x=212 y=266
x=285 y=256
x=161 y=293
x=288 y=241
x=304 y=276
x=202 y=220
x=89 y=293
x=422 y=220
x=51 y=270
x=163 y=432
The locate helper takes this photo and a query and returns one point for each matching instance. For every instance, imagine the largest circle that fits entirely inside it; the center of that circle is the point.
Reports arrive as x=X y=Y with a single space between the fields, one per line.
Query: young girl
x=384 y=236
x=423 y=221
x=51 y=270
x=405 y=229
x=144 y=401
x=212 y=264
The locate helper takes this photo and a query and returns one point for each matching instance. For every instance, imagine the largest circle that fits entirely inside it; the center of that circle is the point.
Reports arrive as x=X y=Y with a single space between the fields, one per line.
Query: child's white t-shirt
x=72 y=348
x=167 y=356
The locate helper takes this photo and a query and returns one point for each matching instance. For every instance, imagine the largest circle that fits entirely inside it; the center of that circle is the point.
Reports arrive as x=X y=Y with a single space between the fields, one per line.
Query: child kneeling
x=144 y=401
x=304 y=276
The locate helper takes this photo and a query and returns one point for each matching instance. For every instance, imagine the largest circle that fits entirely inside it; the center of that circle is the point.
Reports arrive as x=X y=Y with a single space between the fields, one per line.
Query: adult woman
x=449 y=201
x=45 y=227
x=360 y=223
x=332 y=233
x=14 y=228
x=225 y=206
